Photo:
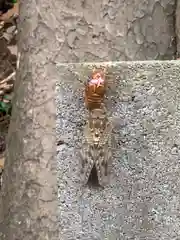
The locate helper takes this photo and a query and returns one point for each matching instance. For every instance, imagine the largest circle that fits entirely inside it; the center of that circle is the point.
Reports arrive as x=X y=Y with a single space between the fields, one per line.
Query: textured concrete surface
x=115 y=30
x=28 y=198
x=177 y=24
x=142 y=199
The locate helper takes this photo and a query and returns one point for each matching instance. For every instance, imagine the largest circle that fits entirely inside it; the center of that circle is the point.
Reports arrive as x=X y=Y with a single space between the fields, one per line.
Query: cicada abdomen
x=95 y=90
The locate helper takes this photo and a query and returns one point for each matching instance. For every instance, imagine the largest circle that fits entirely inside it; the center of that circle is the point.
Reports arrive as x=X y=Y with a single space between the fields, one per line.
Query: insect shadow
x=93 y=181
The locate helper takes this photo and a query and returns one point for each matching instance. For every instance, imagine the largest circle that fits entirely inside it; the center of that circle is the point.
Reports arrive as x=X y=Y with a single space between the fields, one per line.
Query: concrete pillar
x=142 y=198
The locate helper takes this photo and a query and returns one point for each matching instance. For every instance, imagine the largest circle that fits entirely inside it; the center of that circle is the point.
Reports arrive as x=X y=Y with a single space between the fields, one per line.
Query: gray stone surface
x=28 y=198
x=177 y=24
x=142 y=199
x=97 y=31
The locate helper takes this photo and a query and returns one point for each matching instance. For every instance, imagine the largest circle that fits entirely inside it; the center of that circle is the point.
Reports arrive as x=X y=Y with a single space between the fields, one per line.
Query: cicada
x=96 y=150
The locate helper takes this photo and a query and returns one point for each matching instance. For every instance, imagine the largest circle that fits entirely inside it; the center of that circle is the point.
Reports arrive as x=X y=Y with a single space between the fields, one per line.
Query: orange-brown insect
x=95 y=89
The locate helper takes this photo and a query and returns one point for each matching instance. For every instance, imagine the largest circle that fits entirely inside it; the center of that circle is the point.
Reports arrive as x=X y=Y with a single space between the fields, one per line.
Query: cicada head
x=97 y=119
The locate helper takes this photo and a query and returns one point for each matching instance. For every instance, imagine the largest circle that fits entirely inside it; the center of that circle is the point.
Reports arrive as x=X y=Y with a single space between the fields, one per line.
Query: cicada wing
x=102 y=166
x=87 y=164
x=104 y=157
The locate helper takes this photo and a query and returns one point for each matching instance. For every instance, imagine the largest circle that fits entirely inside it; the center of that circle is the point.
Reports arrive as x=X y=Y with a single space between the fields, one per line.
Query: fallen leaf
x=10 y=13
x=2 y=162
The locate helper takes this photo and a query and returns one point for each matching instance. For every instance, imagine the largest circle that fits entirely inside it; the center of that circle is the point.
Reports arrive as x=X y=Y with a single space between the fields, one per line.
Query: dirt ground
x=8 y=59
